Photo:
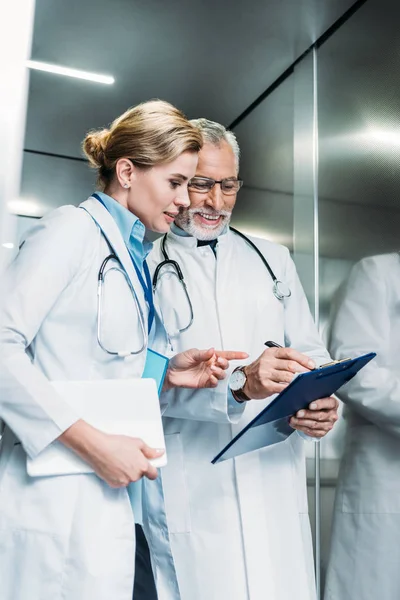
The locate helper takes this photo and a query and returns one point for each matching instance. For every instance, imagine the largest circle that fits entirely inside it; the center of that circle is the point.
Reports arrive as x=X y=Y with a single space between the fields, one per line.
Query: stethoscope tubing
x=277 y=284
x=100 y=284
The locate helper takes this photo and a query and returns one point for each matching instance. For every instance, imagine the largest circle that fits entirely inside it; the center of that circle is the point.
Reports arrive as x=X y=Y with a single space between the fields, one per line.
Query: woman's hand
x=117 y=459
x=199 y=368
x=122 y=460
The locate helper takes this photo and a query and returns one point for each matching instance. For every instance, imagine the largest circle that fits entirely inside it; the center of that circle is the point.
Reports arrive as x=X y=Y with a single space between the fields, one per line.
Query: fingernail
x=159 y=450
x=311 y=364
x=301 y=414
x=214 y=368
x=313 y=406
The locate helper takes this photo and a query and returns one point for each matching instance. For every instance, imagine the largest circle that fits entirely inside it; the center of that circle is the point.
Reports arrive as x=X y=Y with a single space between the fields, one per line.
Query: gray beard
x=185 y=220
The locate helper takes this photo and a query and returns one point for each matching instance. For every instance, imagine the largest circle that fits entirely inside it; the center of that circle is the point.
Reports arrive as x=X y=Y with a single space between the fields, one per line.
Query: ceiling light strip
x=77 y=73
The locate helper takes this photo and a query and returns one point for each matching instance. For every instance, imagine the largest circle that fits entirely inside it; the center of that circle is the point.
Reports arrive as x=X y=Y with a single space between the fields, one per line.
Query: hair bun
x=94 y=146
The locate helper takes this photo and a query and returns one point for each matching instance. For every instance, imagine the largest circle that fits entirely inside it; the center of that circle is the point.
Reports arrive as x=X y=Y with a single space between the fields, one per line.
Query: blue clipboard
x=271 y=425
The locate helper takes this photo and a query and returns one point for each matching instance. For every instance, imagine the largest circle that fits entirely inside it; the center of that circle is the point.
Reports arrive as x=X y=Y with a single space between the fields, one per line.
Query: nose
x=183 y=198
x=215 y=198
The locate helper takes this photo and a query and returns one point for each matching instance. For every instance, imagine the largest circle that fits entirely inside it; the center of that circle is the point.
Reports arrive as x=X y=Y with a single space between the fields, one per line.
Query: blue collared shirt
x=132 y=229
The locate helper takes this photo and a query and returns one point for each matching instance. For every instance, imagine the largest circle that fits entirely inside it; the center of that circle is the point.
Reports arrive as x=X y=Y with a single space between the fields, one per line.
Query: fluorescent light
x=8 y=245
x=41 y=66
x=26 y=207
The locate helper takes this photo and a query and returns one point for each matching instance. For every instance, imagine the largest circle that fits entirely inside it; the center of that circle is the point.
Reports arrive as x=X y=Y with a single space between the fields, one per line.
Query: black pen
x=272 y=344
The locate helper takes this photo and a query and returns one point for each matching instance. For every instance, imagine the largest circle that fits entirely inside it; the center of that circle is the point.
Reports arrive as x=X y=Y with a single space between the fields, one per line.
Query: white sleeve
x=46 y=264
x=215 y=405
x=363 y=324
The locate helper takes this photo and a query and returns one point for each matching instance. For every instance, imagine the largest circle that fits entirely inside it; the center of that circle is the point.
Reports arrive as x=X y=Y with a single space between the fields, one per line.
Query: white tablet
x=123 y=406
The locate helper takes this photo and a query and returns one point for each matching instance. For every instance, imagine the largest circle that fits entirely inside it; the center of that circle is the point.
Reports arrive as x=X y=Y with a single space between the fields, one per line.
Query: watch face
x=237 y=380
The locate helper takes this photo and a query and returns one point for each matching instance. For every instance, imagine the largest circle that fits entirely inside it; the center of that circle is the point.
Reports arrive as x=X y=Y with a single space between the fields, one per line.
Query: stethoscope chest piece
x=281 y=290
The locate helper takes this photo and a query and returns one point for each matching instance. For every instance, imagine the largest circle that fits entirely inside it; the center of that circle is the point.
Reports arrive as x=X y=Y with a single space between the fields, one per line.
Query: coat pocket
x=175 y=486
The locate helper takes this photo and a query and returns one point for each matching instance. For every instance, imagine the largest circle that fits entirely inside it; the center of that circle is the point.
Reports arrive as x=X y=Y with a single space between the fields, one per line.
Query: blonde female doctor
x=73 y=537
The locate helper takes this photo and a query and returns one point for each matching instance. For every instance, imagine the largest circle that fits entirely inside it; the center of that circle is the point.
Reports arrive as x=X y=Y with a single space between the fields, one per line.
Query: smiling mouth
x=172 y=215
x=211 y=219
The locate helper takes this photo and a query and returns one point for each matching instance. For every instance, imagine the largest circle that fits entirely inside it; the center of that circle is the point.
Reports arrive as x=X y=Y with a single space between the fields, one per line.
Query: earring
x=126 y=185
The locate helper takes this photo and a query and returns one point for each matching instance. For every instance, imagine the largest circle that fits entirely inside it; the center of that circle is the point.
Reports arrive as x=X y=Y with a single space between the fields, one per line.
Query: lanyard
x=147 y=288
x=146 y=285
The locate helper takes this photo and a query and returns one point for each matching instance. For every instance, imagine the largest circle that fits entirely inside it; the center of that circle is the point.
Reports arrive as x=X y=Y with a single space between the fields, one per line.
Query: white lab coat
x=365 y=550
x=70 y=537
x=240 y=529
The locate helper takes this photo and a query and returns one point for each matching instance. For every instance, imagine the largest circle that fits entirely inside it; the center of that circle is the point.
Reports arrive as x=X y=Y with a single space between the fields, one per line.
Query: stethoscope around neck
x=279 y=288
x=177 y=272
x=101 y=278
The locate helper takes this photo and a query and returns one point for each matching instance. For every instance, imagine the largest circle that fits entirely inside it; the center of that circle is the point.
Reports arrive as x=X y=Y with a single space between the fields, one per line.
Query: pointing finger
x=232 y=354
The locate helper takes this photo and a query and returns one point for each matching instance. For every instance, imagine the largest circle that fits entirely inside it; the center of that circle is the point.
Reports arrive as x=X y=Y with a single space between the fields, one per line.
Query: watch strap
x=239 y=395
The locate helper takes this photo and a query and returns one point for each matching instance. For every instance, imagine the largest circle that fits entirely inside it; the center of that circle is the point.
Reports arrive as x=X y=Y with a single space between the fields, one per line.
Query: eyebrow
x=205 y=177
x=180 y=176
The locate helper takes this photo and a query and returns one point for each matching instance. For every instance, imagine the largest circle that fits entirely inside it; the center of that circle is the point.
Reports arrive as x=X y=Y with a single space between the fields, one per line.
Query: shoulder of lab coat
x=362 y=322
x=215 y=405
x=58 y=247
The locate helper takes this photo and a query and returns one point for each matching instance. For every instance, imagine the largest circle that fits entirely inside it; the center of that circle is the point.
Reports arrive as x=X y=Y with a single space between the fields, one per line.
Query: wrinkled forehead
x=216 y=162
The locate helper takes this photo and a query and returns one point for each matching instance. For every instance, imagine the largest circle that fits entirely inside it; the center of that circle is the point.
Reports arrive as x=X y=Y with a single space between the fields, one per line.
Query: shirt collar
x=132 y=229
x=128 y=223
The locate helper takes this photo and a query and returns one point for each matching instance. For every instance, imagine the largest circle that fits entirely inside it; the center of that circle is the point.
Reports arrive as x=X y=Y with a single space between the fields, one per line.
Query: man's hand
x=318 y=419
x=199 y=368
x=273 y=371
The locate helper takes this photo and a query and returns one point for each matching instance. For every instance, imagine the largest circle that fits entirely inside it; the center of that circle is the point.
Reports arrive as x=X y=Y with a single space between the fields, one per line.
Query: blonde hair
x=152 y=133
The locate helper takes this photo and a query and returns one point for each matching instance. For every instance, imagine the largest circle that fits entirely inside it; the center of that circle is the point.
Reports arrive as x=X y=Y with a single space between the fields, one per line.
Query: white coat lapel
x=113 y=235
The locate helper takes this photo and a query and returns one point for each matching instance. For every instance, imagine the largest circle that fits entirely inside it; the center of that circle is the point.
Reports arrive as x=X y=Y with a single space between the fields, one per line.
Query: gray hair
x=215 y=133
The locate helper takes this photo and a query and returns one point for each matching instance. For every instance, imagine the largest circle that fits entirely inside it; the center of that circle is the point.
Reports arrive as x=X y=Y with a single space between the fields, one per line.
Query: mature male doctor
x=239 y=530
x=365 y=551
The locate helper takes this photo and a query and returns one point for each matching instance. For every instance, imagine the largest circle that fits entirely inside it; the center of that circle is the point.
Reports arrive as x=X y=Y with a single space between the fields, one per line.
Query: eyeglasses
x=229 y=186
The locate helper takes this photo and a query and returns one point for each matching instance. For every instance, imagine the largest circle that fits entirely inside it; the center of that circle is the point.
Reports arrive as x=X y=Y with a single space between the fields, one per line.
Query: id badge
x=155 y=368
